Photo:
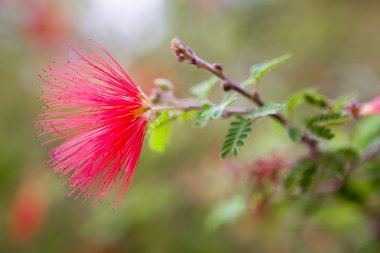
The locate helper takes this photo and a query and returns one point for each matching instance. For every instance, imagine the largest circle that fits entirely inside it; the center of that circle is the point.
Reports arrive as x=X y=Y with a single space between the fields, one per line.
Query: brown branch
x=183 y=106
x=184 y=53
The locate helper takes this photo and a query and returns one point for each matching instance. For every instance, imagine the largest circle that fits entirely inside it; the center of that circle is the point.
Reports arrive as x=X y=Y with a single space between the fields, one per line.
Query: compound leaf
x=259 y=70
x=236 y=136
x=159 y=131
x=266 y=110
x=201 y=90
x=216 y=112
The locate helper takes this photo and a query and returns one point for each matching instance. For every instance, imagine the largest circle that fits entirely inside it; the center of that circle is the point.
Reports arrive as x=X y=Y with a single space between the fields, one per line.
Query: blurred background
x=187 y=199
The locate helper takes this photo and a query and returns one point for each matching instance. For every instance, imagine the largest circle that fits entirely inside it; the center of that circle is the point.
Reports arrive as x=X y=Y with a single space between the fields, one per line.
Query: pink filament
x=94 y=106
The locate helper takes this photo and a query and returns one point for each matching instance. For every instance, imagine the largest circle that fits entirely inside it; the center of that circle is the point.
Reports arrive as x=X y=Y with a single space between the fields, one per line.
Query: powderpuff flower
x=100 y=116
x=370 y=108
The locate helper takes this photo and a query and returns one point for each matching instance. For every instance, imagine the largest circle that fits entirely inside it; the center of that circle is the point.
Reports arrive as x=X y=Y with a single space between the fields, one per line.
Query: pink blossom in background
x=28 y=211
x=101 y=115
x=46 y=24
x=371 y=107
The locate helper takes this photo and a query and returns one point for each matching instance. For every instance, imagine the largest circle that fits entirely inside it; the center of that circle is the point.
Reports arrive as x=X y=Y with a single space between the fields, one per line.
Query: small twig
x=188 y=107
x=184 y=53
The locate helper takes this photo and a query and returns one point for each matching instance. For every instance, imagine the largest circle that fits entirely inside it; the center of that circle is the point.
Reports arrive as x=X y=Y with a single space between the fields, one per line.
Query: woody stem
x=184 y=53
x=187 y=107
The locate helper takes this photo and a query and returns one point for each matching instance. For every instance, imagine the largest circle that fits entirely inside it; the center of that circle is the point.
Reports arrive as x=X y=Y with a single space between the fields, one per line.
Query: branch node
x=226 y=86
x=218 y=67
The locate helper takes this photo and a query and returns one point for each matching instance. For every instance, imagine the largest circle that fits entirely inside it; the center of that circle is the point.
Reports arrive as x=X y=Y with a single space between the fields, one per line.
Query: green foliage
x=248 y=82
x=201 y=90
x=329 y=119
x=171 y=196
x=318 y=125
x=356 y=190
x=216 y=112
x=226 y=212
x=294 y=134
x=240 y=128
x=268 y=109
x=302 y=175
x=320 y=131
x=366 y=132
x=159 y=131
x=309 y=172
x=188 y=115
x=341 y=102
x=341 y=216
x=372 y=168
x=316 y=99
x=311 y=97
x=235 y=138
x=295 y=100
x=200 y=121
x=308 y=177
x=339 y=161
x=163 y=84
x=258 y=71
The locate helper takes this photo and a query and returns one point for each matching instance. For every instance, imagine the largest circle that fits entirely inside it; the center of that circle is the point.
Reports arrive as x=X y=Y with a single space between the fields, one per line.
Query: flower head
x=371 y=107
x=101 y=115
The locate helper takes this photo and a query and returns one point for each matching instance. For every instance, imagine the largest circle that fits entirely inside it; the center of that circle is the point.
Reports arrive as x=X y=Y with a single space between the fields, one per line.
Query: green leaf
x=188 y=115
x=311 y=97
x=201 y=90
x=316 y=99
x=159 y=131
x=258 y=71
x=337 y=161
x=217 y=111
x=295 y=100
x=366 y=131
x=248 y=82
x=226 y=212
x=266 y=110
x=318 y=125
x=294 y=134
x=343 y=217
x=329 y=119
x=236 y=136
x=357 y=190
x=240 y=128
x=163 y=84
x=320 y=131
x=308 y=177
x=200 y=121
x=342 y=101
x=302 y=175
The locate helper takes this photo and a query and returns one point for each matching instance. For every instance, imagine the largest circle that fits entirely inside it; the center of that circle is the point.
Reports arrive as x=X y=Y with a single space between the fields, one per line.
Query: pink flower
x=94 y=106
x=46 y=23
x=371 y=107
x=28 y=211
